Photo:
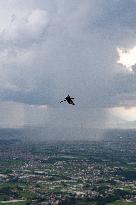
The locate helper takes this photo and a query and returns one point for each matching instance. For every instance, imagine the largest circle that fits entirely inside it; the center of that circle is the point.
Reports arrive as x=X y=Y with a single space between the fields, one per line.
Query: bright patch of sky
x=127 y=58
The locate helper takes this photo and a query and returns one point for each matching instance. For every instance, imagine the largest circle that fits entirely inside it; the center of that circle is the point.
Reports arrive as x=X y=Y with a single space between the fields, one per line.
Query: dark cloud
x=67 y=49
x=53 y=48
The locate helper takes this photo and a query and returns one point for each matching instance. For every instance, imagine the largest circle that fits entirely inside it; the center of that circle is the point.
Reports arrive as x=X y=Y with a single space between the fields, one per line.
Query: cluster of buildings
x=61 y=173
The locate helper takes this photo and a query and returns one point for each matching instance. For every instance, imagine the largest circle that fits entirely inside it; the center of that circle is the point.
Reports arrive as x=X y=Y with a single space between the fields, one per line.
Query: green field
x=14 y=203
x=122 y=203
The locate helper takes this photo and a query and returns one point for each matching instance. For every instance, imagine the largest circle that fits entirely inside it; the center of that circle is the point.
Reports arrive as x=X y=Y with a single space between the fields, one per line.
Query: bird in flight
x=69 y=100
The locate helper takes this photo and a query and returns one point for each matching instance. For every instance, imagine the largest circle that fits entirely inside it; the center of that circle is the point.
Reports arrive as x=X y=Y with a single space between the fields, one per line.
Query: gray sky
x=51 y=48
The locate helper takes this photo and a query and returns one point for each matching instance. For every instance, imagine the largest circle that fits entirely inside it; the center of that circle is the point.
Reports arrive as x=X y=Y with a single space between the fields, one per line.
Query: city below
x=66 y=172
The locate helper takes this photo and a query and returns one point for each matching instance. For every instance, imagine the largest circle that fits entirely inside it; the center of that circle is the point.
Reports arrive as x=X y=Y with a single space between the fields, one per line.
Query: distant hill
x=45 y=133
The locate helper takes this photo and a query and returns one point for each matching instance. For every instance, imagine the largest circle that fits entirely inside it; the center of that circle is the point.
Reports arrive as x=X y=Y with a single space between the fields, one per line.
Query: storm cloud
x=49 y=49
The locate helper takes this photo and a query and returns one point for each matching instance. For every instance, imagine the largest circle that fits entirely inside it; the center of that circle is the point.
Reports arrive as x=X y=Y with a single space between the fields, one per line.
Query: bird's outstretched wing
x=62 y=101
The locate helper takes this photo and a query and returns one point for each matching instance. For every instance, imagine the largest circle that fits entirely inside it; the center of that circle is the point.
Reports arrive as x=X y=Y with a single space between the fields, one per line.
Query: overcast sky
x=51 y=48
